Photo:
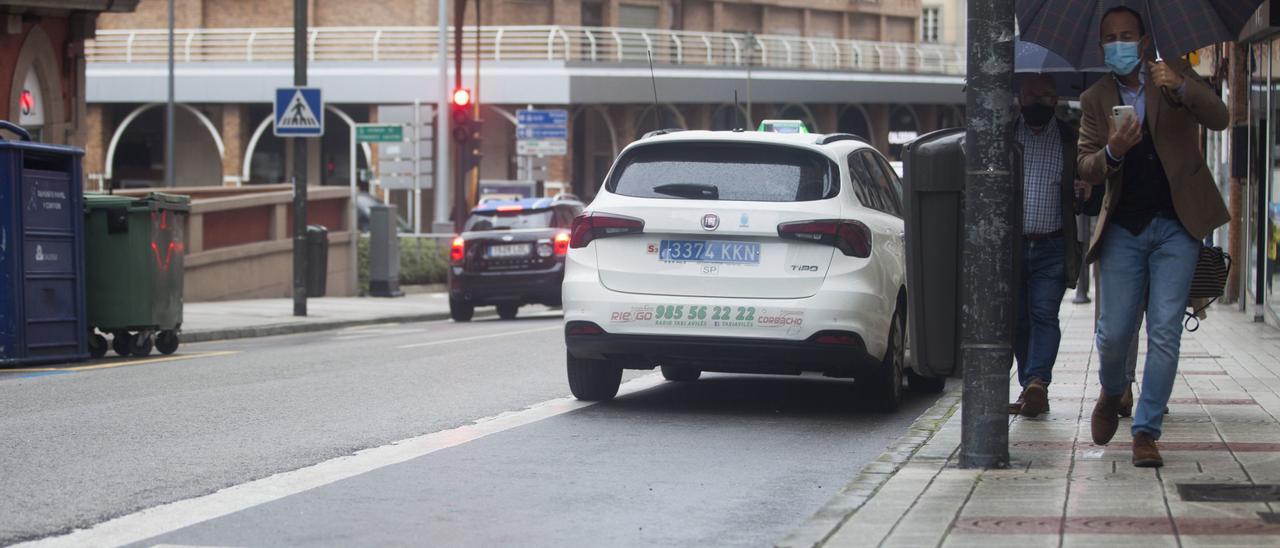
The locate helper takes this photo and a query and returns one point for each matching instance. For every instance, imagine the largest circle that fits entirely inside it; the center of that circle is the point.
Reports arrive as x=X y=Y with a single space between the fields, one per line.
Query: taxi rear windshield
x=725 y=171
x=509 y=220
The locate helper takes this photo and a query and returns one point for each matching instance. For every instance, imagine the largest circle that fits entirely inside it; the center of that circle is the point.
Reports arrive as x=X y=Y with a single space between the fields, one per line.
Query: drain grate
x=1229 y=492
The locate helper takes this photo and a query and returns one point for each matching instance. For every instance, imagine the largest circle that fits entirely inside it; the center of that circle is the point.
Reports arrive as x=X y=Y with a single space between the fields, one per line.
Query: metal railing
x=532 y=43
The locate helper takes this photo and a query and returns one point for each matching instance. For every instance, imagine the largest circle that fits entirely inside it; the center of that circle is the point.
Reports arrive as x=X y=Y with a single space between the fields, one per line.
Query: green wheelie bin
x=134 y=251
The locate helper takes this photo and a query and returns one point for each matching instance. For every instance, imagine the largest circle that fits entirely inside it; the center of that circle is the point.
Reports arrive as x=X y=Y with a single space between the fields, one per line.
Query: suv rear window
x=509 y=220
x=725 y=171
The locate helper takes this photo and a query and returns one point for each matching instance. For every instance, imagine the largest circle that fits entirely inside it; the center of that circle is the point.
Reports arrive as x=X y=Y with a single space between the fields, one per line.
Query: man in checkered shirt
x=1050 y=255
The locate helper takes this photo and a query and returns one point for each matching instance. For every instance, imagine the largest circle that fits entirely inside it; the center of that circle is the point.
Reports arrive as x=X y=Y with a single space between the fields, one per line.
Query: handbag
x=1209 y=281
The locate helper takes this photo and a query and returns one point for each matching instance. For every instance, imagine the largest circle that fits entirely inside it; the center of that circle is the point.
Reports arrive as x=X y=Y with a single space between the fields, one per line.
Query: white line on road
x=478 y=337
x=173 y=516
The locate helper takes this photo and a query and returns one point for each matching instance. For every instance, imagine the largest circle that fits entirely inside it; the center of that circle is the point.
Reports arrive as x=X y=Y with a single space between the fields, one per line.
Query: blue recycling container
x=42 y=306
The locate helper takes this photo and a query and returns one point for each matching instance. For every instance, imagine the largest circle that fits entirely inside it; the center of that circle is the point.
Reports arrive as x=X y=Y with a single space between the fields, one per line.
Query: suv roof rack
x=835 y=137
x=658 y=132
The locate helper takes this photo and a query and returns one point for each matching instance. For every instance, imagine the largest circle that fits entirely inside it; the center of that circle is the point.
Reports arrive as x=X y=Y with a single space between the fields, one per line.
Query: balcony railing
x=532 y=43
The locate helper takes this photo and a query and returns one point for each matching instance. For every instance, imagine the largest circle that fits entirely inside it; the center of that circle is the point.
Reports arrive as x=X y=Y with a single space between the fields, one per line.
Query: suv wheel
x=593 y=380
x=460 y=311
x=508 y=311
x=883 y=389
x=679 y=373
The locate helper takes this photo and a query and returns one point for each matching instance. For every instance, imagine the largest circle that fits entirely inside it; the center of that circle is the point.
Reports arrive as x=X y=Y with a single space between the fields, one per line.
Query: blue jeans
x=1044 y=281
x=1156 y=263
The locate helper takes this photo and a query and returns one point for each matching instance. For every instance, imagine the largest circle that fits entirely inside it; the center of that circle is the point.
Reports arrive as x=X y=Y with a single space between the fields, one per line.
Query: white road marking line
x=173 y=516
x=478 y=337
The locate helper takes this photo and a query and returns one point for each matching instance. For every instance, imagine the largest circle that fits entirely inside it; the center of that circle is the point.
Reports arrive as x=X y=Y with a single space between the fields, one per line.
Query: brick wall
x=863 y=27
x=697 y=15
x=900 y=29
x=331 y=13
x=825 y=24
x=789 y=21
x=739 y=17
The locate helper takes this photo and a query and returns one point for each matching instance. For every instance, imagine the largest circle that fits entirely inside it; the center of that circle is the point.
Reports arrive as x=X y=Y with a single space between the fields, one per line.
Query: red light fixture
x=457 y=251
x=28 y=101
x=461 y=97
x=593 y=226
x=851 y=237
x=562 y=244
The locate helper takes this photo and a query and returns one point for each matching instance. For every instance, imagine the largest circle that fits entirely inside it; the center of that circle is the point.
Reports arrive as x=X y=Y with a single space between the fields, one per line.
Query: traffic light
x=460 y=115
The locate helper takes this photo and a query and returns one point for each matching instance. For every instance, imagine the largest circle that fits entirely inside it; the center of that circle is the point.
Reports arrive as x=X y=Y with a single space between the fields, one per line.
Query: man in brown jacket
x=1160 y=203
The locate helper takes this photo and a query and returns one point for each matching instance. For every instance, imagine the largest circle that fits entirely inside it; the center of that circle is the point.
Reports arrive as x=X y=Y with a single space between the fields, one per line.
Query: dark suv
x=510 y=253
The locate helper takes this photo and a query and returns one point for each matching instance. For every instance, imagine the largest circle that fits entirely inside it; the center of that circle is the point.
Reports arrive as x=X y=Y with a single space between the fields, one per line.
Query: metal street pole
x=460 y=188
x=300 y=166
x=986 y=276
x=441 y=211
x=169 y=178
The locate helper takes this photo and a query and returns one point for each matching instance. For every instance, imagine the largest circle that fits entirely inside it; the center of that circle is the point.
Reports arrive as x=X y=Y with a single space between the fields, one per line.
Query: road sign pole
x=353 y=220
x=986 y=328
x=417 y=166
x=441 y=170
x=300 y=166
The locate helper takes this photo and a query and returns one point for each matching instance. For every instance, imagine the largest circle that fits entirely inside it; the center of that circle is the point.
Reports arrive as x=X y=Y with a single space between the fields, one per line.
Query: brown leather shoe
x=1035 y=398
x=1126 y=402
x=1106 y=418
x=1016 y=407
x=1145 y=453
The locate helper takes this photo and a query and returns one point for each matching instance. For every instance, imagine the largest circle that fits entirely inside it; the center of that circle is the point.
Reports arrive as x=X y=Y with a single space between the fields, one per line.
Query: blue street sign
x=542 y=132
x=299 y=112
x=553 y=117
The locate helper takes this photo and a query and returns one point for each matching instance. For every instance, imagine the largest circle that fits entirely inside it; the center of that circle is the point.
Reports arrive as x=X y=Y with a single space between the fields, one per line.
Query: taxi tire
x=678 y=373
x=593 y=380
x=925 y=385
x=460 y=311
x=883 y=388
x=508 y=311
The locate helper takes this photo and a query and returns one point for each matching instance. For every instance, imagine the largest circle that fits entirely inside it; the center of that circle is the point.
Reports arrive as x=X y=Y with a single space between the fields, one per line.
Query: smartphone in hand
x=1120 y=112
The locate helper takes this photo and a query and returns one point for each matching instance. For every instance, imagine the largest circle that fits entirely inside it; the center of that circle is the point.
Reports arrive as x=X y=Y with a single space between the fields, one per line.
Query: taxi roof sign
x=783 y=126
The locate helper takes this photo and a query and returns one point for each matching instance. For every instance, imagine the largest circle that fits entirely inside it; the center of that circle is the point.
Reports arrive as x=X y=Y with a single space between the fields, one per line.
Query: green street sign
x=379 y=133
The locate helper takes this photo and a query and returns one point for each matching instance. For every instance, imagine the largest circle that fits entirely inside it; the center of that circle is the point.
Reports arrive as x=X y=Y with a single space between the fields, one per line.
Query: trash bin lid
x=172 y=202
x=93 y=200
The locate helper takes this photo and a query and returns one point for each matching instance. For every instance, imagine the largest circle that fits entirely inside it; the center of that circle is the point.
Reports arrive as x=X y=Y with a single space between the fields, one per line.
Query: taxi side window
x=883 y=187
x=895 y=182
x=862 y=182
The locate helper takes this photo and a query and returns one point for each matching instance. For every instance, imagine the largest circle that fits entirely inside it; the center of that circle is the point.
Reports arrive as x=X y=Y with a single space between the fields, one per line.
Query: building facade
x=853 y=66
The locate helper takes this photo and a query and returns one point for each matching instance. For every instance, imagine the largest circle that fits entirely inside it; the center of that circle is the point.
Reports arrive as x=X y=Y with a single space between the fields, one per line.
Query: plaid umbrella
x=1070 y=27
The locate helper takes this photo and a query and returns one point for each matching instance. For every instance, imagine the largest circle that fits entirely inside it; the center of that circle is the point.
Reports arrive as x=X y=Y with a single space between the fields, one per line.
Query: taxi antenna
x=657 y=121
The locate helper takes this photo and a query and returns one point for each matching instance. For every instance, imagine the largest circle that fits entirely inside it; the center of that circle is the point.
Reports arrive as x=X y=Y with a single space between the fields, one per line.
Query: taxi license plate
x=508 y=250
x=711 y=251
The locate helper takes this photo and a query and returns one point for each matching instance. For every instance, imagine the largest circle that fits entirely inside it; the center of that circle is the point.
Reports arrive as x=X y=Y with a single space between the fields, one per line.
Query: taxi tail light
x=583 y=328
x=593 y=226
x=562 y=244
x=851 y=237
x=837 y=338
x=458 y=250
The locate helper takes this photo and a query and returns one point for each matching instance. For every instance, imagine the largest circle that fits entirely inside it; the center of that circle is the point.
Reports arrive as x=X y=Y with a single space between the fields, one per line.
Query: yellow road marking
x=121 y=364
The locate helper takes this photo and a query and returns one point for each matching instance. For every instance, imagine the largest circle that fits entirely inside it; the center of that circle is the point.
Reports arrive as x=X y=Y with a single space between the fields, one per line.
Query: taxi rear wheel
x=680 y=373
x=460 y=311
x=593 y=380
x=883 y=388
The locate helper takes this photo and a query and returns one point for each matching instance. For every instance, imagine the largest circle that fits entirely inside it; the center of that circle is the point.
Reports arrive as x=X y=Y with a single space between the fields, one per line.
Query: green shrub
x=422 y=261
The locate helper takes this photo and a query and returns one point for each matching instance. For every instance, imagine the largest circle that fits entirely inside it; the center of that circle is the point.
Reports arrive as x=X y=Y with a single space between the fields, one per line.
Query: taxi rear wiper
x=689 y=190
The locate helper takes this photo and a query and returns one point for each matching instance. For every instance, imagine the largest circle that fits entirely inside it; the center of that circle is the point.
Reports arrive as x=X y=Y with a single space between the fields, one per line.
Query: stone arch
x=790 y=111
x=38 y=54
x=608 y=122
x=904 y=125
x=669 y=117
x=266 y=123
x=109 y=167
x=590 y=163
x=853 y=119
x=729 y=116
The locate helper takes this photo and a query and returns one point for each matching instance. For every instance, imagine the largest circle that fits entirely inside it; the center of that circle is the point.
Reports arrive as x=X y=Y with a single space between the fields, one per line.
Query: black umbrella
x=1070 y=27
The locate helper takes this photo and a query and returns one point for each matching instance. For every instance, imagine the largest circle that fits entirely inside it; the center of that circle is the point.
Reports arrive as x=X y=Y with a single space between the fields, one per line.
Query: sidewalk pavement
x=211 y=321
x=1061 y=489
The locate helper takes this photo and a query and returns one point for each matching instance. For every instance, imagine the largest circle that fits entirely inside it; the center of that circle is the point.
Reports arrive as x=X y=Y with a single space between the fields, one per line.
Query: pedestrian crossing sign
x=299 y=112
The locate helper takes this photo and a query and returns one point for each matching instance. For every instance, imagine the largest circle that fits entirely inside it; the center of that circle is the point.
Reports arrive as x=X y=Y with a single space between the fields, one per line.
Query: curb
x=294 y=328
x=827 y=520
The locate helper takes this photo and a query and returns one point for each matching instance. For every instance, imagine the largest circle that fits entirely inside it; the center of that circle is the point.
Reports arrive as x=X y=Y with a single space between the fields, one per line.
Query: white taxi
x=742 y=252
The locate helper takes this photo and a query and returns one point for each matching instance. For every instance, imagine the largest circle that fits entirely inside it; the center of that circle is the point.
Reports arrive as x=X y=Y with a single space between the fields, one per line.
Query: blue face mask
x=1121 y=57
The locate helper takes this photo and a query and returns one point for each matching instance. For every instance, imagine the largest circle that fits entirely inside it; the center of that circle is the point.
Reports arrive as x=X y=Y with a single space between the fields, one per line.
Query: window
x=634 y=16
x=862 y=182
x=509 y=220
x=724 y=171
x=930 y=24
x=886 y=183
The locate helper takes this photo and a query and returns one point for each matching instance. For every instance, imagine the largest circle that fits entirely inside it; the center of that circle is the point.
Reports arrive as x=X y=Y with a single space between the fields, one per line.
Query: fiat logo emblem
x=710 y=221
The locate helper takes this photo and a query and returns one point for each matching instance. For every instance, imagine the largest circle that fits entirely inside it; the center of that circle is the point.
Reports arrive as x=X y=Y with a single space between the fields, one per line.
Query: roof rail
x=835 y=137
x=658 y=132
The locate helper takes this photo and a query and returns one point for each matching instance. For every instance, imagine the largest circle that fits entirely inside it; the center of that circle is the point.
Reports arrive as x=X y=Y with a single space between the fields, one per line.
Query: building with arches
x=717 y=64
x=42 y=70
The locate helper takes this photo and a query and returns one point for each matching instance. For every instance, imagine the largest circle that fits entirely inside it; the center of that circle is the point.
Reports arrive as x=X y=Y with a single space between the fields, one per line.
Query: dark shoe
x=1106 y=418
x=1035 y=398
x=1126 y=402
x=1145 y=453
x=1016 y=407
x=1081 y=300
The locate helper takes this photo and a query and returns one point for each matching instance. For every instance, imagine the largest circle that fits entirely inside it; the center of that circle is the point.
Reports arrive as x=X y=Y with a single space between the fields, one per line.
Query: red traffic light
x=461 y=97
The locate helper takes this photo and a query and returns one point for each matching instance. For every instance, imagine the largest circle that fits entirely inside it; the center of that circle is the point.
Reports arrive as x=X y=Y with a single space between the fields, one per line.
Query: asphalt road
x=726 y=460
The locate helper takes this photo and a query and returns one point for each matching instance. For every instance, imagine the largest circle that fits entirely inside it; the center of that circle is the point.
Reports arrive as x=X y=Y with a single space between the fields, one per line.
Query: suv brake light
x=457 y=251
x=592 y=226
x=851 y=237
